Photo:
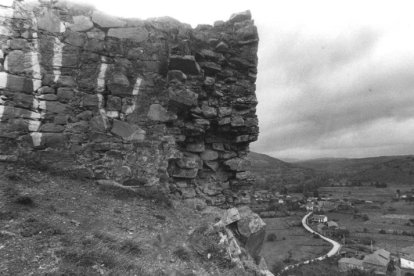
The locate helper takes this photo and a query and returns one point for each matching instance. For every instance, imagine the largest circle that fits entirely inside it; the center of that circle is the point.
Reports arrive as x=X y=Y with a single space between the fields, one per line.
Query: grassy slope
x=52 y=225
x=398 y=169
x=274 y=172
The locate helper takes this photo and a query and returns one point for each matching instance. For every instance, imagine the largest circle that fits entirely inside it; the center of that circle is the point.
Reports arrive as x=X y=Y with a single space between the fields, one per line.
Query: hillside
x=389 y=169
x=54 y=225
x=271 y=172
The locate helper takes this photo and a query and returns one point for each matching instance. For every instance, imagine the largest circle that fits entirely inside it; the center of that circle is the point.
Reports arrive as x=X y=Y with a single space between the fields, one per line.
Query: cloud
x=335 y=95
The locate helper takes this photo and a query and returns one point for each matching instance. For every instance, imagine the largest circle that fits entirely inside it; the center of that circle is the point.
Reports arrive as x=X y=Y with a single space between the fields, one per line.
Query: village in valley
x=376 y=234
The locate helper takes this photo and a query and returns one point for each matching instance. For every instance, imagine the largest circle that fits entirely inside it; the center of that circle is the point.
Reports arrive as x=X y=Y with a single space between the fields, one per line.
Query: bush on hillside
x=271 y=237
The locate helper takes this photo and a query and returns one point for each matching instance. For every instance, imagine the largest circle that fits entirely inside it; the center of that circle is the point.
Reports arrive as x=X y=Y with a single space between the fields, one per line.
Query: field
x=364 y=192
x=388 y=223
x=293 y=243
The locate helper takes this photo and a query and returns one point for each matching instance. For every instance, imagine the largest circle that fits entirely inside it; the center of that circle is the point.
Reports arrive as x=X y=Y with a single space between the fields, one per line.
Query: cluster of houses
x=406 y=196
x=327 y=227
x=310 y=203
x=405 y=263
x=321 y=205
x=379 y=262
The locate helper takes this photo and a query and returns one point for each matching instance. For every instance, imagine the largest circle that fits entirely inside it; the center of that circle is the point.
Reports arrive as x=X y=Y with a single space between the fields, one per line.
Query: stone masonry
x=149 y=103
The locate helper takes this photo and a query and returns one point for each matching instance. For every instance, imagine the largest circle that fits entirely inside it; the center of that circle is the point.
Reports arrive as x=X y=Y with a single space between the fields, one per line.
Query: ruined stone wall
x=146 y=103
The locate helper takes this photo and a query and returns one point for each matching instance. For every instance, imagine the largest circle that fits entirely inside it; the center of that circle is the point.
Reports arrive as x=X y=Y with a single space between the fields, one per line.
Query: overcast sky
x=335 y=78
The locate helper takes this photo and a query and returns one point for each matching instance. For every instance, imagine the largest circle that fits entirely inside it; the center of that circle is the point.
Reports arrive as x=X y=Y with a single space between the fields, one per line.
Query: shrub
x=366 y=241
x=131 y=246
x=365 y=217
x=271 y=237
x=182 y=253
x=277 y=267
x=24 y=200
x=382 y=231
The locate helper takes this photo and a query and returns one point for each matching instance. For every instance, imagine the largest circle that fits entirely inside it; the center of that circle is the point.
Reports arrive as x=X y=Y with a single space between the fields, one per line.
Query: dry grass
x=76 y=228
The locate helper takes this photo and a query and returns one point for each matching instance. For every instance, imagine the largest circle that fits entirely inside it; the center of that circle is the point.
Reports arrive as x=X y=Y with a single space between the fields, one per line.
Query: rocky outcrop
x=151 y=102
x=234 y=241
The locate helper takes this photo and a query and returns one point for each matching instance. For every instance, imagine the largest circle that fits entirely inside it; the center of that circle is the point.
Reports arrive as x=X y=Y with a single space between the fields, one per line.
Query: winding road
x=334 y=250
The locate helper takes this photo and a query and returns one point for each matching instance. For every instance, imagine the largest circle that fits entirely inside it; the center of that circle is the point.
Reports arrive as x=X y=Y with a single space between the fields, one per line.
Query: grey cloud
x=316 y=87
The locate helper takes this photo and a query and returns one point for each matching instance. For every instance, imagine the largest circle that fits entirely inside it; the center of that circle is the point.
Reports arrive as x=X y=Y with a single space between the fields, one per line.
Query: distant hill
x=389 y=169
x=271 y=172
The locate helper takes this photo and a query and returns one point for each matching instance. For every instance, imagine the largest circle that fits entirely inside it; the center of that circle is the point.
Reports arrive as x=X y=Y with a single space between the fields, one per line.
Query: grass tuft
x=182 y=253
x=130 y=246
x=24 y=200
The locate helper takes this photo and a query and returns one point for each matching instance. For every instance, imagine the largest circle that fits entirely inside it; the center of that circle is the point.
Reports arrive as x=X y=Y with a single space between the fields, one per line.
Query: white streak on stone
x=34 y=56
x=101 y=77
x=112 y=114
x=34 y=125
x=62 y=27
x=36 y=138
x=100 y=83
x=130 y=109
x=57 y=58
x=137 y=85
x=3 y=80
x=38 y=104
x=36 y=84
x=35 y=117
x=2 y=108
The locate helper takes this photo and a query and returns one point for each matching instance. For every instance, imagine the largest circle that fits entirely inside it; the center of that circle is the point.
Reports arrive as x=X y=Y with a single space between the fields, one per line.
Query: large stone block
x=252 y=230
x=114 y=103
x=238 y=164
x=50 y=127
x=119 y=84
x=209 y=155
x=230 y=215
x=17 y=83
x=186 y=64
x=48 y=140
x=188 y=162
x=22 y=100
x=55 y=107
x=81 y=23
x=107 y=21
x=128 y=132
x=65 y=94
x=50 y=22
x=185 y=173
x=91 y=100
x=185 y=97
x=158 y=113
x=195 y=147
x=18 y=62
x=241 y=16
x=137 y=34
x=99 y=123
x=10 y=112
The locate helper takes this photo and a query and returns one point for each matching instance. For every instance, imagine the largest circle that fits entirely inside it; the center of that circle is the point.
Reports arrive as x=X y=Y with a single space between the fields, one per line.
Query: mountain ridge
x=388 y=169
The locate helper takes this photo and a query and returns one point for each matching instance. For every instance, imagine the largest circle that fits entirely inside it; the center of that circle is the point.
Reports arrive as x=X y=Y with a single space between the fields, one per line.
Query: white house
x=320 y=218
